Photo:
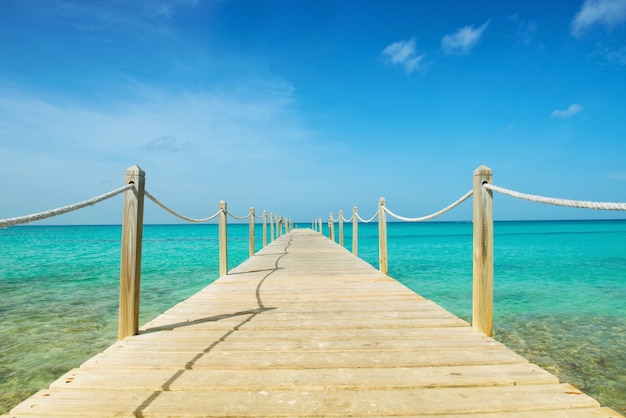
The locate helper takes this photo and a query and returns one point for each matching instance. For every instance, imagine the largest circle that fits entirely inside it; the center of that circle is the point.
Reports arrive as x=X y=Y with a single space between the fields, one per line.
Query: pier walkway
x=304 y=328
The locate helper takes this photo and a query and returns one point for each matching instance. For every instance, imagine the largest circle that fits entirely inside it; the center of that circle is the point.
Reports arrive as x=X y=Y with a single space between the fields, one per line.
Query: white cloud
x=404 y=53
x=567 y=113
x=608 y=13
x=463 y=40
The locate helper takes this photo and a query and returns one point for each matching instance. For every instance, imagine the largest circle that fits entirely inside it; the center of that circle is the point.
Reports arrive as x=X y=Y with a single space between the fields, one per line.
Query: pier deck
x=304 y=328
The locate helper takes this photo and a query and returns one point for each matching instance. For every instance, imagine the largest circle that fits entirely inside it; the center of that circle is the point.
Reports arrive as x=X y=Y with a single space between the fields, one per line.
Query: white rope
x=558 y=202
x=347 y=220
x=369 y=220
x=433 y=215
x=62 y=210
x=178 y=215
x=241 y=218
x=333 y=219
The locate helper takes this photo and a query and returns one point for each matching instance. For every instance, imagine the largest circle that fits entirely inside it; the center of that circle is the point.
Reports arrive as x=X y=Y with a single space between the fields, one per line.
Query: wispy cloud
x=94 y=16
x=620 y=175
x=166 y=143
x=607 y=13
x=404 y=53
x=567 y=113
x=462 y=41
x=213 y=138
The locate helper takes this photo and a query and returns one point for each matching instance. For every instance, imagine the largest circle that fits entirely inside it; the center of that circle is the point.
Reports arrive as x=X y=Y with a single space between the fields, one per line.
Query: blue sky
x=308 y=107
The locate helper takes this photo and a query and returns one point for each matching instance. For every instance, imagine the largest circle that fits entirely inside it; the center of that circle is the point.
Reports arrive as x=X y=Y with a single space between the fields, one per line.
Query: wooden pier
x=304 y=328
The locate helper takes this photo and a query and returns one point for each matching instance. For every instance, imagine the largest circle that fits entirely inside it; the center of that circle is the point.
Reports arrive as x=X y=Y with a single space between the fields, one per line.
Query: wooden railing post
x=382 y=237
x=482 y=310
x=341 y=228
x=319 y=222
x=355 y=231
x=271 y=227
x=223 y=239
x=130 y=264
x=264 y=228
x=331 y=227
x=252 y=221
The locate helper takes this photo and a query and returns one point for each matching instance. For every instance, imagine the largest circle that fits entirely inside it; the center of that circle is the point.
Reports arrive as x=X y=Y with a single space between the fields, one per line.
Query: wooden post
x=264 y=228
x=482 y=311
x=271 y=227
x=355 y=232
x=252 y=220
x=341 y=228
x=331 y=227
x=130 y=264
x=382 y=237
x=223 y=238
x=319 y=222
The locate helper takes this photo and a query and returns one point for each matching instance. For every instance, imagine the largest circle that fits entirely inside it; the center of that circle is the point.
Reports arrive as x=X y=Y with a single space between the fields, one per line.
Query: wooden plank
x=304 y=328
x=300 y=359
x=306 y=379
x=294 y=403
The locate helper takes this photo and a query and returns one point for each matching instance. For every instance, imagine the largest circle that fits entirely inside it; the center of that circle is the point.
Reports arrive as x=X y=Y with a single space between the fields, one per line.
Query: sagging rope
x=433 y=215
x=178 y=215
x=62 y=210
x=558 y=202
x=369 y=220
x=240 y=218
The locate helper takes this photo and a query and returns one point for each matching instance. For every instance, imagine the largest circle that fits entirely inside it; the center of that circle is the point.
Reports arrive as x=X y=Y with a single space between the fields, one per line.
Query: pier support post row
x=223 y=238
x=482 y=310
x=355 y=231
x=252 y=220
x=264 y=228
x=130 y=264
x=382 y=237
x=341 y=228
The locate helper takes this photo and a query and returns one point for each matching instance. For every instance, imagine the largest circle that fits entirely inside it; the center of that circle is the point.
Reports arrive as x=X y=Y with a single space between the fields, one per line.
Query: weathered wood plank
x=297 y=402
x=306 y=379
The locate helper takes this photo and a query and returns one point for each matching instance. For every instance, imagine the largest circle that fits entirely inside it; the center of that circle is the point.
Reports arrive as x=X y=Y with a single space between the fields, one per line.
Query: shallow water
x=558 y=296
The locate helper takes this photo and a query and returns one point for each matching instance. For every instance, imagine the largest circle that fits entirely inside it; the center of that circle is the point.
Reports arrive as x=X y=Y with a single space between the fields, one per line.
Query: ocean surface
x=559 y=293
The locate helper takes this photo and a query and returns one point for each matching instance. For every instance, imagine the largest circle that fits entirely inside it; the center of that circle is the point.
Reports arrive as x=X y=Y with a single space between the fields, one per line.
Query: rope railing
x=366 y=221
x=131 y=241
x=432 y=215
x=581 y=204
x=178 y=215
x=20 y=220
x=239 y=218
x=482 y=309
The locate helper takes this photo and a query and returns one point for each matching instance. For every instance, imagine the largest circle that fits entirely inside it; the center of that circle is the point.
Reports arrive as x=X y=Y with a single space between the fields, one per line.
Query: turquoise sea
x=559 y=295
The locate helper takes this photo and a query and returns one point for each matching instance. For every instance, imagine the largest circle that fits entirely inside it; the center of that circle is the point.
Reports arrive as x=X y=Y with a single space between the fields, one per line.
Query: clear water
x=559 y=295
